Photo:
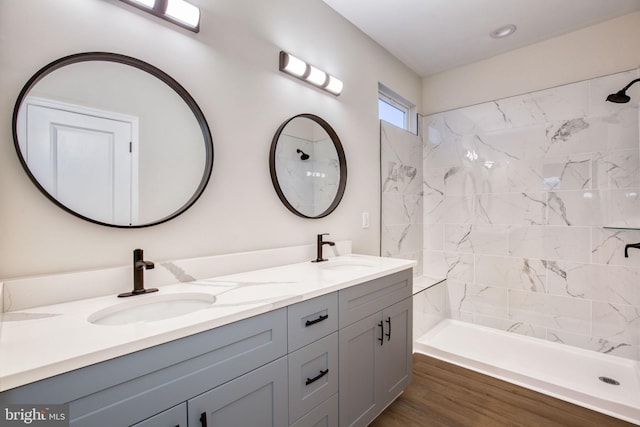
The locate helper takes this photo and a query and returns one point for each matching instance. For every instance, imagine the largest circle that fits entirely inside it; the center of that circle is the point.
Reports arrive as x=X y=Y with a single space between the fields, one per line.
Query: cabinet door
x=174 y=417
x=256 y=399
x=397 y=349
x=360 y=363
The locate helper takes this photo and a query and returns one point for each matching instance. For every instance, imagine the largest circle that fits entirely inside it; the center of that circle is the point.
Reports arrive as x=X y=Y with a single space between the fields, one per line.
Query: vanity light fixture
x=179 y=12
x=298 y=68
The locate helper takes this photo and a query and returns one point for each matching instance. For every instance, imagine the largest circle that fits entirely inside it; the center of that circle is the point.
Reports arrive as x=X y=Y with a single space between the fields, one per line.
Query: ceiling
x=431 y=36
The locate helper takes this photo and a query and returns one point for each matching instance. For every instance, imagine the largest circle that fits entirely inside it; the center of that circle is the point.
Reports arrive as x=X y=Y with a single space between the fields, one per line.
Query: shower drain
x=608 y=380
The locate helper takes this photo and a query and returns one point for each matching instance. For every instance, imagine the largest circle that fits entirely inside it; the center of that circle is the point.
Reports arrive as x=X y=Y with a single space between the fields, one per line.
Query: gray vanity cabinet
x=375 y=346
x=337 y=359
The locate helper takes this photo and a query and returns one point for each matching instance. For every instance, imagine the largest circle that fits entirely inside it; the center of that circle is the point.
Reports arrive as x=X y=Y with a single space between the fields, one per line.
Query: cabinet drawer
x=311 y=320
x=313 y=375
x=358 y=302
x=323 y=415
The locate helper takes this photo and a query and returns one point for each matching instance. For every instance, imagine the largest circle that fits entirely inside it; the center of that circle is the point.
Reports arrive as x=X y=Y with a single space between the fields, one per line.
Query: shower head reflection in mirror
x=303 y=155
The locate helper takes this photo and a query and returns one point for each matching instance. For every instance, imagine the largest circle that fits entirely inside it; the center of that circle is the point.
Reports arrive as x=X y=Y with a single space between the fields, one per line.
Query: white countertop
x=41 y=342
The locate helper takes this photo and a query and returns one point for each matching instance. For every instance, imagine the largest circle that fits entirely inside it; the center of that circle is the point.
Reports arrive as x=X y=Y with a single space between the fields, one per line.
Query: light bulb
x=317 y=76
x=294 y=65
x=334 y=86
x=184 y=12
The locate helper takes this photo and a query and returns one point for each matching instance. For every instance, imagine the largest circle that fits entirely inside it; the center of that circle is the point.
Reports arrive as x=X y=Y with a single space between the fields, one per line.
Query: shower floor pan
x=562 y=371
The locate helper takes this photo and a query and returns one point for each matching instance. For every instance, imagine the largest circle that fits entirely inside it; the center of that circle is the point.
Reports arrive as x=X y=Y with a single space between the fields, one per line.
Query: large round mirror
x=308 y=166
x=113 y=140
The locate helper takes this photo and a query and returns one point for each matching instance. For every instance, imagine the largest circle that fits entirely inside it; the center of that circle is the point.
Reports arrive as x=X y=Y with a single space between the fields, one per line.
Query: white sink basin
x=347 y=265
x=151 y=308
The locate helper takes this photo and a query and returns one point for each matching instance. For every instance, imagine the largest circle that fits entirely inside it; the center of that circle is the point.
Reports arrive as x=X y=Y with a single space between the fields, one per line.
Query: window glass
x=392 y=114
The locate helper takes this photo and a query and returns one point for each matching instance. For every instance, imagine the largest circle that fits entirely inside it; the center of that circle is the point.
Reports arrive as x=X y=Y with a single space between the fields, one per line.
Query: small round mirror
x=308 y=166
x=113 y=140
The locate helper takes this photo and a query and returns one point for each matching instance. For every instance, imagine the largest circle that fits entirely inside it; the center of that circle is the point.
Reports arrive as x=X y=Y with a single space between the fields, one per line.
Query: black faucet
x=139 y=265
x=319 y=245
x=630 y=245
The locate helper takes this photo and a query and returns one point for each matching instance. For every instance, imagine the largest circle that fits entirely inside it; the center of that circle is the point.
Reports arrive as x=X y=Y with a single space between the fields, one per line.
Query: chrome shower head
x=621 y=96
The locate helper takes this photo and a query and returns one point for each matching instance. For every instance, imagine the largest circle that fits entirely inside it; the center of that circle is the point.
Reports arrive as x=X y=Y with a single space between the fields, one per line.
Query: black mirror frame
x=141 y=65
x=341 y=160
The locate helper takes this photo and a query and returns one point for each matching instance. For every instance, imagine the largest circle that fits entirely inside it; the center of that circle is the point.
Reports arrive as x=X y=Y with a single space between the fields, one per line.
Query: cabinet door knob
x=389 y=334
x=317 y=377
x=318 y=320
x=381 y=339
x=203 y=419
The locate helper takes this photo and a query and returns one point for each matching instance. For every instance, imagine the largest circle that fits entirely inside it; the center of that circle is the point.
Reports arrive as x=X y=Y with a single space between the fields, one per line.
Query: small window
x=396 y=110
x=391 y=113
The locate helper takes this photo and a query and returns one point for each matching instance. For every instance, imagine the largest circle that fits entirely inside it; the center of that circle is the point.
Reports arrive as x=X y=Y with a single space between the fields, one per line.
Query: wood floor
x=443 y=394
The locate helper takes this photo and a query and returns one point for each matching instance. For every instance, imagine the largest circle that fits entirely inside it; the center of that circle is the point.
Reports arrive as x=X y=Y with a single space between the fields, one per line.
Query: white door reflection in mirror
x=173 y=154
x=86 y=158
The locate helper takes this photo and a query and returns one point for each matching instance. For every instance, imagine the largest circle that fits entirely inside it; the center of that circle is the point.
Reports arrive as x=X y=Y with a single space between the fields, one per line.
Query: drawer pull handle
x=203 y=419
x=316 y=378
x=381 y=339
x=318 y=320
x=389 y=334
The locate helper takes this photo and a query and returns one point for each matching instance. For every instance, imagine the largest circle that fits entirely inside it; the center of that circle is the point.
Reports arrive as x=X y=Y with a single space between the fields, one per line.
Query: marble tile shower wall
x=401 y=198
x=516 y=196
x=314 y=192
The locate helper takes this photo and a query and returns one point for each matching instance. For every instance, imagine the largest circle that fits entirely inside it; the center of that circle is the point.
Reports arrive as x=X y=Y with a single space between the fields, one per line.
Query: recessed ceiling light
x=503 y=31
